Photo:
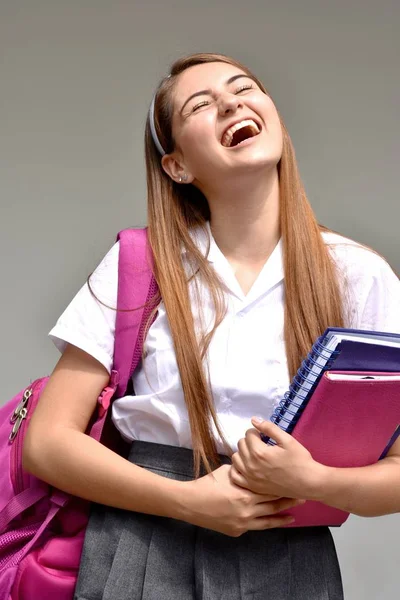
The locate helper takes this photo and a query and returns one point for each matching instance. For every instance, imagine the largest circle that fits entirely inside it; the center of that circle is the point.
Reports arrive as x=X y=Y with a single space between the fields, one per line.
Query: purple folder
x=356 y=356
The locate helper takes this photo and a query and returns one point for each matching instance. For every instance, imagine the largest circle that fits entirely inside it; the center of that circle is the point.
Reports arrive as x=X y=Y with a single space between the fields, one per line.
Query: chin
x=259 y=161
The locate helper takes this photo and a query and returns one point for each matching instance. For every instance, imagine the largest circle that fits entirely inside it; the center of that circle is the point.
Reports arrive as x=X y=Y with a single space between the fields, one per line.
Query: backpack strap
x=136 y=286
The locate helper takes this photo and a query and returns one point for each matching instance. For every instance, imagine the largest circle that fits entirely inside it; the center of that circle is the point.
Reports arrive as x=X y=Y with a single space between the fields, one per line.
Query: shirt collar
x=204 y=240
x=270 y=275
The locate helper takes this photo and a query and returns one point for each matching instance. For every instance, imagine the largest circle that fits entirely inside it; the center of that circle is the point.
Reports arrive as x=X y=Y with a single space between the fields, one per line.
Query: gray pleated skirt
x=133 y=556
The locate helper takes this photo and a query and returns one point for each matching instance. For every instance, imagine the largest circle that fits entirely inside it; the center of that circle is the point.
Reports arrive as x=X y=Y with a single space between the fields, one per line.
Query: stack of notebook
x=344 y=407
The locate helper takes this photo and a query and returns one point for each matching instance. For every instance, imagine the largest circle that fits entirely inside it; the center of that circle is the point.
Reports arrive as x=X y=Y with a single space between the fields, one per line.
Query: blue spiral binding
x=287 y=406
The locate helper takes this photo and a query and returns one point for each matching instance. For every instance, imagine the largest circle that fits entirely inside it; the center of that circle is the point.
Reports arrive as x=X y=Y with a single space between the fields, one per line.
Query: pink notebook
x=351 y=420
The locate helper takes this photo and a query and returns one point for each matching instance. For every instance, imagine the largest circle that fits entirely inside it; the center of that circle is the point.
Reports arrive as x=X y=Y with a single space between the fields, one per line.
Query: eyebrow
x=208 y=92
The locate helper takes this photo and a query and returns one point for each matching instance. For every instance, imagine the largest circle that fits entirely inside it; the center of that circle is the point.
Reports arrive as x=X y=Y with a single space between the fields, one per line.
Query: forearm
x=77 y=464
x=366 y=491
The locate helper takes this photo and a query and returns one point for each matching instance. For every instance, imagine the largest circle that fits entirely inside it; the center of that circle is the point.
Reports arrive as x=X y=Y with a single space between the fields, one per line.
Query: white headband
x=153 y=127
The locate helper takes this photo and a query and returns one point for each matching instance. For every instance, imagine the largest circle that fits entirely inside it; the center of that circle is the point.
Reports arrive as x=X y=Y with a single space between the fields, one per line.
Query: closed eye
x=200 y=104
x=243 y=88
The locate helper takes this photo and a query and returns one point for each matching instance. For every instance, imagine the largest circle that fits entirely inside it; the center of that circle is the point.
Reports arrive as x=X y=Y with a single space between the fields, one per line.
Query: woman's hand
x=286 y=469
x=215 y=502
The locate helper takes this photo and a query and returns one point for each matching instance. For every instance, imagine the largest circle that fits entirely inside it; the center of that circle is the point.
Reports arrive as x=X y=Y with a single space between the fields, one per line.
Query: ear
x=175 y=168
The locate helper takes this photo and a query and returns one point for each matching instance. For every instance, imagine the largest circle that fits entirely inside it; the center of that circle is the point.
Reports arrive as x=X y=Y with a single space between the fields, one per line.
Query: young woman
x=248 y=280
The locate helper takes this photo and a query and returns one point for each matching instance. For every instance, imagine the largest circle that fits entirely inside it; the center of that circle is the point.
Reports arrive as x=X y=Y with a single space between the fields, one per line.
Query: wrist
x=187 y=506
x=318 y=483
x=182 y=508
x=165 y=497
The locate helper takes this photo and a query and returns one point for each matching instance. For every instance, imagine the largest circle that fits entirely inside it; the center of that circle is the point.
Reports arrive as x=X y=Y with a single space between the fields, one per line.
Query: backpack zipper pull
x=27 y=394
x=21 y=416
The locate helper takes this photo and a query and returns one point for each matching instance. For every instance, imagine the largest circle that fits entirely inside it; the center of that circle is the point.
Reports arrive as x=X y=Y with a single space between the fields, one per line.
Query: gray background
x=76 y=79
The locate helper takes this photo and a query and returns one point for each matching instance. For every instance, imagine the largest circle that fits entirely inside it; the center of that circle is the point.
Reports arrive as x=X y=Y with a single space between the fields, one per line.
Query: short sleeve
x=89 y=320
x=381 y=311
x=371 y=289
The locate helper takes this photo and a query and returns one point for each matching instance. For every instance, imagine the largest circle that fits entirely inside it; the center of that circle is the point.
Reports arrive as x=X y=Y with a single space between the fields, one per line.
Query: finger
x=254 y=442
x=262 y=523
x=237 y=478
x=276 y=506
x=241 y=481
x=243 y=450
x=238 y=463
x=273 y=431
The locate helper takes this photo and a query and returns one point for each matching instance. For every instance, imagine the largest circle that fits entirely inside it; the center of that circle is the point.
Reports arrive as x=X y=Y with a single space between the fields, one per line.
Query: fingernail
x=257 y=419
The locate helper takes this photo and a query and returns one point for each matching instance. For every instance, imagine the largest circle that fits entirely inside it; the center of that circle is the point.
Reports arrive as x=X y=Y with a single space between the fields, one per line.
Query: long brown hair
x=312 y=296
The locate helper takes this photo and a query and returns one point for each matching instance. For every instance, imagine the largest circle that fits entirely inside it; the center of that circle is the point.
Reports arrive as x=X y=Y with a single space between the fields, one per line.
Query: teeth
x=228 y=135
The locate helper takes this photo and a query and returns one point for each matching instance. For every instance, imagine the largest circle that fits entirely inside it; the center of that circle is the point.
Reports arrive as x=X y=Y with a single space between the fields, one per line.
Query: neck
x=245 y=219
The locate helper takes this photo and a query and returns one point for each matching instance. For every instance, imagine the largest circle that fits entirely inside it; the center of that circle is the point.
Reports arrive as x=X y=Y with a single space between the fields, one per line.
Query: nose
x=229 y=104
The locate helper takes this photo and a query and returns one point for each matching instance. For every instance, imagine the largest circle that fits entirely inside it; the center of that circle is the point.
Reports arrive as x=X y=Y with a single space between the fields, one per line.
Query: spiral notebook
x=344 y=407
x=336 y=350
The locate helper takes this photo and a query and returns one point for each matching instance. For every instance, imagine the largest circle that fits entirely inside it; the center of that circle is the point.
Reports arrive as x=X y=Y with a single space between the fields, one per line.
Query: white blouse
x=246 y=358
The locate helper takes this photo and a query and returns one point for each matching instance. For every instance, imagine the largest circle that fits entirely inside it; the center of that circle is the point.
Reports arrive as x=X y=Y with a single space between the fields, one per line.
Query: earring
x=183 y=178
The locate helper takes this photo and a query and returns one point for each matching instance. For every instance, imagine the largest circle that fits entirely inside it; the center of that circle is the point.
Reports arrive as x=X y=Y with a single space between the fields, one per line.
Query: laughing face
x=223 y=125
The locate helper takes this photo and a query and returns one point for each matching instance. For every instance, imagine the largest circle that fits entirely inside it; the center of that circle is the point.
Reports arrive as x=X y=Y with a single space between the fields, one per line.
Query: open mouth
x=239 y=133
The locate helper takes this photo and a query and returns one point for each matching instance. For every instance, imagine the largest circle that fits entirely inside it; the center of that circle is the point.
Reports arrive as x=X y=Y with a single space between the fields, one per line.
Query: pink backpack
x=41 y=528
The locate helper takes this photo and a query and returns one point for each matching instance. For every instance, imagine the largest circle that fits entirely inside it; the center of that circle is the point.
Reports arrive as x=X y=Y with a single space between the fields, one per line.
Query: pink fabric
x=128 y=325
x=52 y=569
x=6 y=485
